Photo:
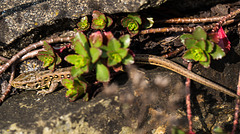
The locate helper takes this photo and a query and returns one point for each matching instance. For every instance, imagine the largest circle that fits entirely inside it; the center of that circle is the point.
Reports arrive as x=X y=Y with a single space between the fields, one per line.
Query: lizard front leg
x=52 y=88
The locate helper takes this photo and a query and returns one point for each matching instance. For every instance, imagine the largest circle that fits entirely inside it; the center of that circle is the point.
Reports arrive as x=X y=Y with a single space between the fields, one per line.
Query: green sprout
x=92 y=54
x=49 y=58
x=83 y=25
x=100 y=21
x=132 y=22
x=200 y=48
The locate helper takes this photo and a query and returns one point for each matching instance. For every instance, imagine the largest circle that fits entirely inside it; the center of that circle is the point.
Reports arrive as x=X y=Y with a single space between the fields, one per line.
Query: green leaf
x=135 y=17
x=201 y=44
x=76 y=71
x=58 y=59
x=217 y=52
x=183 y=37
x=128 y=60
x=95 y=54
x=82 y=38
x=86 y=97
x=80 y=49
x=104 y=51
x=209 y=46
x=113 y=58
x=113 y=44
x=125 y=40
x=77 y=60
x=132 y=26
x=48 y=48
x=45 y=53
x=125 y=20
x=98 y=15
x=149 y=23
x=206 y=64
x=78 y=88
x=98 y=24
x=199 y=34
x=189 y=43
x=218 y=130
x=96 y=39
x=83 y=25
x=109 y=21
x=68 y=83
x=102 y=72
x=196 y=54
x=46 y=59
x=122 y=52
x=52 y=66
x=175 y=130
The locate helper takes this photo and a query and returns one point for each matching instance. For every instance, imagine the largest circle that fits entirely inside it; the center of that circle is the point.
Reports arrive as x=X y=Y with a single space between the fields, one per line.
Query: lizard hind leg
x=52 y=88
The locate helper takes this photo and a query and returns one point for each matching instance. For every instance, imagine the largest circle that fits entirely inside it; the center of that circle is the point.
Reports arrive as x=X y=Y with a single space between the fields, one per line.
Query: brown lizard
x=49 y=79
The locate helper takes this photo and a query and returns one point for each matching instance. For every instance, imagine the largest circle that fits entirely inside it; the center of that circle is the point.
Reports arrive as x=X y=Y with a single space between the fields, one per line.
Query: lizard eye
x=37 y=85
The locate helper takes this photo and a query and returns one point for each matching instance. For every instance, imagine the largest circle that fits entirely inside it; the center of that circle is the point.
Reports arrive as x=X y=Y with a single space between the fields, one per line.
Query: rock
x=132 y=108
x=19 y=17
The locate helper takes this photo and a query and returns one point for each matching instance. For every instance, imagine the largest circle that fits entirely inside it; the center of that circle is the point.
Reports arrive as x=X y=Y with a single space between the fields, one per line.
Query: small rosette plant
x=200 y=48
x=49 y=58
x=93 y=55
x=132 y=22
x=100 y=21
x=83 y=25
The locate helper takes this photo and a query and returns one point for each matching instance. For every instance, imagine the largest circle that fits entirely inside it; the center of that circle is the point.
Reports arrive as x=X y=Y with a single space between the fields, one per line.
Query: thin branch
x=174 y=53
x=188 y=99
x=235 y=122
x=182 y=29
x=7 y=91
x=231 y=15
x=30 y=48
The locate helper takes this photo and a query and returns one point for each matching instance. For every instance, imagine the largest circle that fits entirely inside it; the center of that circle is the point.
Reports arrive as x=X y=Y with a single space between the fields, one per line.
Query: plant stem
x=188 y=100
x=231 y=15
x=182 y=29
x=235 y=122
x=191 y=20
x=30 y=48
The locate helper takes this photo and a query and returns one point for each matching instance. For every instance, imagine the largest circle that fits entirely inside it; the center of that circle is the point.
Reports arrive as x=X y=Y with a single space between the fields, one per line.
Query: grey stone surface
x=19 y=17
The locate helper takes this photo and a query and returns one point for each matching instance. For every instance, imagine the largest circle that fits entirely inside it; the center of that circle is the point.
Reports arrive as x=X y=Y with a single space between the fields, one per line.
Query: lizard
x=49 y=79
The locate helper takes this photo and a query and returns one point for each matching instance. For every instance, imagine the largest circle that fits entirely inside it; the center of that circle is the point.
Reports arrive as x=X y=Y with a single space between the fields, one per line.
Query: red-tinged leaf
x=109 y=21
x=107 y=36
x=224 y=43
x=96 y=39
x=213 y=37
x=117 y=68
x=48 y=48
x=190 y=132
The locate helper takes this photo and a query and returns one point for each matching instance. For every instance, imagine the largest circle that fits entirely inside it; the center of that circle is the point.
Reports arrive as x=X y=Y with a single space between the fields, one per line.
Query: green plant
x=94 y=53
x=49 y=58
x=100 y=21
x=83 y=25
x=132 y=22
x=200 y=48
